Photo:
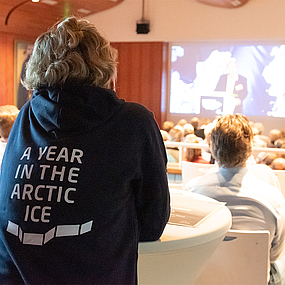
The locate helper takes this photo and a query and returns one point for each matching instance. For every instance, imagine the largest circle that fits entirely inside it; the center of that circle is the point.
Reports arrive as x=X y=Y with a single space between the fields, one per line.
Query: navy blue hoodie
x=83 y=181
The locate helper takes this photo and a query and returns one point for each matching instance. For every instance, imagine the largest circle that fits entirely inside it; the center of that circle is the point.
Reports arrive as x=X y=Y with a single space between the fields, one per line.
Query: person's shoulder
x=137 y=111
x=137 y=116
x=201 y=181
x=137 y=107
x=223 y=77
x=242 y=78
x=262 y=178
x=261 y=172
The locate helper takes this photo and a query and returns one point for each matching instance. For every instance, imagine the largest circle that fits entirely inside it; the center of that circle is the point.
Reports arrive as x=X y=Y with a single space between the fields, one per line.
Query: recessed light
x=84 y=11
x=49 y=2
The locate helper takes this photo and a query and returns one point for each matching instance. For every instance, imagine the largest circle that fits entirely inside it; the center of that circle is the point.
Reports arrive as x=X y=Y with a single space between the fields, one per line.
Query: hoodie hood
x=74 y=109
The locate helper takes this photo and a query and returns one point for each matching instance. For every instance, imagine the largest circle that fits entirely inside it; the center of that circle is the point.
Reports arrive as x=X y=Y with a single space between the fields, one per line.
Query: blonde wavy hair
x=71 y=51
x=192 y=154
x=8 y=115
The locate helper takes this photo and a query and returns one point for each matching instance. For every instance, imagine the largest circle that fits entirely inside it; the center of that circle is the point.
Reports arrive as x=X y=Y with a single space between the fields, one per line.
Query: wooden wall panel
x=6 y=69
x=140 y=72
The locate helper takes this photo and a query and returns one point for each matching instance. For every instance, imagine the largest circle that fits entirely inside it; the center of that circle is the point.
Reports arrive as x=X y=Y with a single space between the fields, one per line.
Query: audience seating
x=242 y=258
x=281 y=177
x=173 y=168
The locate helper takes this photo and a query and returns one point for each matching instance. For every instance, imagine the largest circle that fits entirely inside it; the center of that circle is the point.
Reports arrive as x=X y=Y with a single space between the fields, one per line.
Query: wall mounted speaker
x=142 y=27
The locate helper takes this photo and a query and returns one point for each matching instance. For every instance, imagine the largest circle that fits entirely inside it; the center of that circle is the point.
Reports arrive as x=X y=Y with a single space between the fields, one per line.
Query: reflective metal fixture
x=15 y=7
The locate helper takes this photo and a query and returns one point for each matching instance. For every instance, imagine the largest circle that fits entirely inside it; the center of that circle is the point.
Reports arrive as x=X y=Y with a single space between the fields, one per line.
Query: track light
x=142 y=25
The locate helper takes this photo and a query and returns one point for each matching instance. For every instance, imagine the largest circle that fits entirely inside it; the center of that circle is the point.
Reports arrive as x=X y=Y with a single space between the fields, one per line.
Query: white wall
x=188 y=20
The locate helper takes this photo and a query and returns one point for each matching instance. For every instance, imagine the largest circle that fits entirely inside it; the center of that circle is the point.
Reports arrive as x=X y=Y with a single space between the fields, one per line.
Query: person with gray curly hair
x=231 y=141
x=254 y=203
x=84 y=177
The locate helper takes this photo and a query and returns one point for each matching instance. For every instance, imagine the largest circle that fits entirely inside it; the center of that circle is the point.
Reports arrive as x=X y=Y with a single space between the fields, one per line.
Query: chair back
x=242 y=258
x=281 y=177
x=191 y=170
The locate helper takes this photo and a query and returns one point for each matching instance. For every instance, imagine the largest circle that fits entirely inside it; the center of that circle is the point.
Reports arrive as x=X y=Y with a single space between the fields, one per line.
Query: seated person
x=257 y=141
x=278 y=163
x=266 y=158
x=195 y=122
x=260 y=128
x=194 y=154
x=254 y=204
x=188 y=130
x=204 y=122
x=274 y=135
x=278 y=143
x=164 y=135
x=182 y=122
x=179 y=127
x=8 y=114
x=167 y=126
x=175 y=135
x=208 y=130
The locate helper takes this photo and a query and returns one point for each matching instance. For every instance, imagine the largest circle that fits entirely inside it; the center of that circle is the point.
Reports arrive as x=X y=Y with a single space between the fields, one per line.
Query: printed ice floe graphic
x=58 y=231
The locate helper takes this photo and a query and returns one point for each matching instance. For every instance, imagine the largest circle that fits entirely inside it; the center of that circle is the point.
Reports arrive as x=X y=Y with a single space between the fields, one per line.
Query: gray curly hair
x=71 y=51
x=231 y=140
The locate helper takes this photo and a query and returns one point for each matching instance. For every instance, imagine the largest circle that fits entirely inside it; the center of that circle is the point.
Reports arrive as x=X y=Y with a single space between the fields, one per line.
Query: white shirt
x=254 y=204
x=231 y=81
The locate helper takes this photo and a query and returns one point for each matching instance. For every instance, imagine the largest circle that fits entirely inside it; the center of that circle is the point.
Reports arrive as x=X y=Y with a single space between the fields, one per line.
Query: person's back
x=84 y=174
x=254 y=204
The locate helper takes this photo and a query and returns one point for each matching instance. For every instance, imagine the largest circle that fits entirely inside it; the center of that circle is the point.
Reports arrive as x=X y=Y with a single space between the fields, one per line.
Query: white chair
x=242 y=258
x=191 y=170
x=281 y=177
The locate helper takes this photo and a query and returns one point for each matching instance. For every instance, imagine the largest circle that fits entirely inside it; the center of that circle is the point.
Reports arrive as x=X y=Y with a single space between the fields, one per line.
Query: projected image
x=218 y=78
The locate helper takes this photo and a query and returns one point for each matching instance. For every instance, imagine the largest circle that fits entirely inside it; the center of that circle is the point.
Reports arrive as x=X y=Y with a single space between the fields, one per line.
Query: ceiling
x=31 y=19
